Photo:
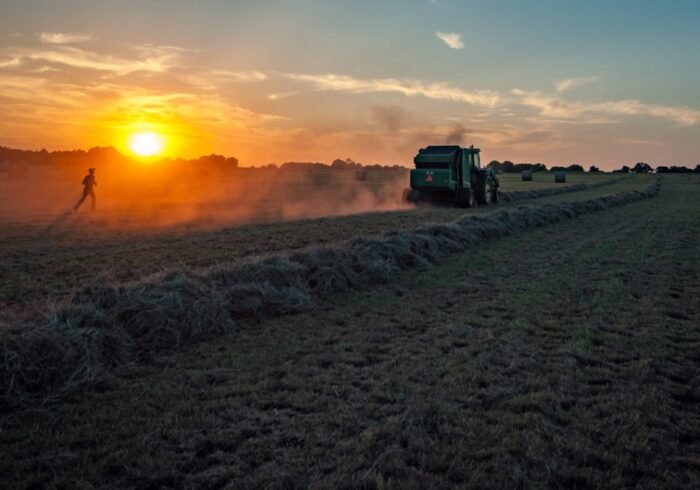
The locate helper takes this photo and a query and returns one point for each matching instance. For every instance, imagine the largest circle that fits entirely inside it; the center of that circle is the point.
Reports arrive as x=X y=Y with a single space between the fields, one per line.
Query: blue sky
x=557 y=82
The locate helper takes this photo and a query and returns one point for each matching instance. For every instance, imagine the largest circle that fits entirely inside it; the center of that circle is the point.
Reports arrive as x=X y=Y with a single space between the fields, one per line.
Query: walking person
x=89 y=184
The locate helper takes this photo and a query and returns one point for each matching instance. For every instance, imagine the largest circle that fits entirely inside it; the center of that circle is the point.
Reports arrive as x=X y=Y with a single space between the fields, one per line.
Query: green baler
x=451 y=174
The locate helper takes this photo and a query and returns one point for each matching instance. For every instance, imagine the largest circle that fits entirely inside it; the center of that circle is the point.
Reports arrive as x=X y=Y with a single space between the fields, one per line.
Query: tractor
x=451 y=175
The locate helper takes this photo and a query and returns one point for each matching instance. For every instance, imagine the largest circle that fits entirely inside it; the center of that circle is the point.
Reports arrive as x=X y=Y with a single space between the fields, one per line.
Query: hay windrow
x=104 y=325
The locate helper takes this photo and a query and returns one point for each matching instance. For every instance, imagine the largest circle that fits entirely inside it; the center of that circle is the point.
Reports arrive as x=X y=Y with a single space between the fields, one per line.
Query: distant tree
x=697 y=169
x=624 y=170
x=507 y=167
x=557 y=168
x=662 y=170
x=535 y=167
x=674 y=170
x=495 y=165
x=574 y=167
x=642 y=168
x=347 y=163
x=593 y=169
x=232 y=162
x=211 y=161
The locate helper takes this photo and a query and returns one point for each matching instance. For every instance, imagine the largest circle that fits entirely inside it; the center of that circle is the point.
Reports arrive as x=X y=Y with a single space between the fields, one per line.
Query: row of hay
x=107 y=325
x=550 y=191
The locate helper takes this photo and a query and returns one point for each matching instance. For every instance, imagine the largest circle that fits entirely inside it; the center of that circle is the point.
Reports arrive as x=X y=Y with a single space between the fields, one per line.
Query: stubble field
x=549 y=353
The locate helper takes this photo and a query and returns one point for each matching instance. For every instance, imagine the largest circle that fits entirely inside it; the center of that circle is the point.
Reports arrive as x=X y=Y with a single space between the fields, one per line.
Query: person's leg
x=77 y=206
x=94 y=199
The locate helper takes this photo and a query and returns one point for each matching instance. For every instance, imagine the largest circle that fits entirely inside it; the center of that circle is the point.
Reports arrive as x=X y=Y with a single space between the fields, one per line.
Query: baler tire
x=480 y=191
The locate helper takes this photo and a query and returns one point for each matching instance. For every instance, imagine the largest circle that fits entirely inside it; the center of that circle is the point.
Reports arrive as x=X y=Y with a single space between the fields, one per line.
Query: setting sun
x=146 y=144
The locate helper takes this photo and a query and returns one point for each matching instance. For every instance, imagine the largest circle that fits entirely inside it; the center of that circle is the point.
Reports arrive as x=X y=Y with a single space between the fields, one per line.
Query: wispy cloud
x=217 y=79
x=556 y=107
x=572 y=83
x=452 y=39
x=436 y=90
x=10 y=62
x=240 y=76
x=65 y=37
x=150 y=59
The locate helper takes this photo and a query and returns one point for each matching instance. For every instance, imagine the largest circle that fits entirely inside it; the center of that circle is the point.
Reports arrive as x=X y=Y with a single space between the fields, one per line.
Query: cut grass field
x=565 y=355
x=42 y=260
x=544 y=180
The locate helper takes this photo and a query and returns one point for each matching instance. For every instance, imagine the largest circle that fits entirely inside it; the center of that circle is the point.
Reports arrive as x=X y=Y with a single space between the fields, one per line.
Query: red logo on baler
x=428 y=178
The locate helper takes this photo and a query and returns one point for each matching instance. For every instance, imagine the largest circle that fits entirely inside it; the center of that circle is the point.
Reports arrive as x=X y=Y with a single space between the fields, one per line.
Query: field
x=550 y=341
x=49 y=255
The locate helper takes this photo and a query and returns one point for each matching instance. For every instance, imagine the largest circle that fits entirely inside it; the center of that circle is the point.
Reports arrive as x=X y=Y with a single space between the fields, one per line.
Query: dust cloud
x=143 y=197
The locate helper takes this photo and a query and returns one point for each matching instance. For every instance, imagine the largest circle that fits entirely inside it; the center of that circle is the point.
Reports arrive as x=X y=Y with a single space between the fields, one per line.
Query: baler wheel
x=480 y=190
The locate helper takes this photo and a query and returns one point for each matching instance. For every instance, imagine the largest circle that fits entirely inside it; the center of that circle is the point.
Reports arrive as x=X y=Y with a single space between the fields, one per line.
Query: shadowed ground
x=563 y=356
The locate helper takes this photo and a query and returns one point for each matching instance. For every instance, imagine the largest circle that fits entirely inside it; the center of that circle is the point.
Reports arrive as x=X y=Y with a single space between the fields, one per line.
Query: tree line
x=639 y=168
x=109 y=155
x=100 y=156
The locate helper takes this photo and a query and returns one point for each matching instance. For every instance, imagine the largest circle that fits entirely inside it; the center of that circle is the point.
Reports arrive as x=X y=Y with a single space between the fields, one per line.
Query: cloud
x=452 y=39
x=65 y=37
x=240 y=76
x=410 y=88
x=151 y=59
x=10 y=62
x=217 y=79
x=571 y=83
x=556 y=107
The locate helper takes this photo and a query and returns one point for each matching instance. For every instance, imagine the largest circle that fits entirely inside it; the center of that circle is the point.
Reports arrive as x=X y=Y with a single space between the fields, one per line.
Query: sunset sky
x=594 y=82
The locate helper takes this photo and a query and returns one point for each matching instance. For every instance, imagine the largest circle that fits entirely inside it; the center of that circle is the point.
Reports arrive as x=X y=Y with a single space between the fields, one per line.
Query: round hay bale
x=560 y=177
x=526 y=175
x=361 y=175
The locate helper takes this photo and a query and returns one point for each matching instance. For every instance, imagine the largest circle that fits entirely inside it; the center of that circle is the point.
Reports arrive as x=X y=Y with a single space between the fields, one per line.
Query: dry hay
x=526 y=175
x=105 y=326
x=560 y=177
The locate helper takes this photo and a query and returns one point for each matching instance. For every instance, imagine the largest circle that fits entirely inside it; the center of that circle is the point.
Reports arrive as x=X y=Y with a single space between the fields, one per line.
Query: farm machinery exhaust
x=451 y=175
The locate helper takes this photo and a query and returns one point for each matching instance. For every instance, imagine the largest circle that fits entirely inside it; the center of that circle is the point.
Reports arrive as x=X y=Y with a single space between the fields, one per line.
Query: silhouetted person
x=89 y=184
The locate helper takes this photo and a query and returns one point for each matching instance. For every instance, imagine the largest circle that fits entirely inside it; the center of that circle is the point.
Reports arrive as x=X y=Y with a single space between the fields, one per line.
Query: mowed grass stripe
x=107 y=325
x=545 y=359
